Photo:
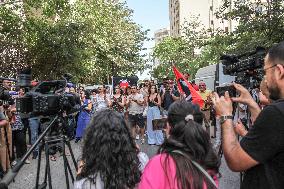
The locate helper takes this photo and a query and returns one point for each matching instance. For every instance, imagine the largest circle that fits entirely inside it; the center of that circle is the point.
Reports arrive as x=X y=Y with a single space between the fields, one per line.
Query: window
x=227 y=29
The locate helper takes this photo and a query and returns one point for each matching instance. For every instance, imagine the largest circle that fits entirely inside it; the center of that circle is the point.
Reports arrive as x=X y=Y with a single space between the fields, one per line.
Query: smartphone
x=159 y=124
x=230 y=88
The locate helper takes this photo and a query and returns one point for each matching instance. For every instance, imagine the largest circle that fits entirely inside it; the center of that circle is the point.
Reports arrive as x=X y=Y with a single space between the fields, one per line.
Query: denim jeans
x=34 y=126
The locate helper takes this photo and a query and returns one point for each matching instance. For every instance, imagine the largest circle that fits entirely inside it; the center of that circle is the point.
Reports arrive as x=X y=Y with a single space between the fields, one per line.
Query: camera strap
x=198 y=166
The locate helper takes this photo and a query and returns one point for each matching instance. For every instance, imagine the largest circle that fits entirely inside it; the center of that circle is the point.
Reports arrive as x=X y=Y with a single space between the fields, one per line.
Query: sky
x=152 y=15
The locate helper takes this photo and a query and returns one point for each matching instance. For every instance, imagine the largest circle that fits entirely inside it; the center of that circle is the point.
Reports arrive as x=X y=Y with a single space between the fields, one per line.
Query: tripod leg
x=38 y=166
x=48 y=165
x=70 y=171
x=65 y=164
x=72 y=155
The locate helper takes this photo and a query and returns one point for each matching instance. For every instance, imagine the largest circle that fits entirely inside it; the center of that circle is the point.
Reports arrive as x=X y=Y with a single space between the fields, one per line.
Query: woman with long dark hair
x=118 y=100
x=109 y=154
x=154 y=102
x=84 y=115
x=186 y=159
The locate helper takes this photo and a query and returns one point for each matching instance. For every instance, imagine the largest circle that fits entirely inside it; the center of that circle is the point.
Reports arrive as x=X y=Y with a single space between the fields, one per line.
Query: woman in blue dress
x=154 y=101
x=84 y=116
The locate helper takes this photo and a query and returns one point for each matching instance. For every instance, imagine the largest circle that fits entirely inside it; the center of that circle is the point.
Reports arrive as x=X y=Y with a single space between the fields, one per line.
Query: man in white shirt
x=135 y=103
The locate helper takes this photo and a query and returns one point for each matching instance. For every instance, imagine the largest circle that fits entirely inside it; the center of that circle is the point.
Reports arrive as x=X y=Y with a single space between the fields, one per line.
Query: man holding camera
x=260 y=153
x=168 y=95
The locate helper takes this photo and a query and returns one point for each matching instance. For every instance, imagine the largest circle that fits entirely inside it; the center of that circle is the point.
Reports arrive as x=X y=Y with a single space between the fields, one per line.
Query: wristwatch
x=224 y=118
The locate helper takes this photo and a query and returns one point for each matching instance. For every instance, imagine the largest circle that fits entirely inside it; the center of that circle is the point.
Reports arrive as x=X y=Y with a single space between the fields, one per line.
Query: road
x=26 y=177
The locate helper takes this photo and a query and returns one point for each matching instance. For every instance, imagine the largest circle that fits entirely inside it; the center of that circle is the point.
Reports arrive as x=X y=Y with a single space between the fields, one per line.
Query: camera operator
x=169 y=95
x=261 y=151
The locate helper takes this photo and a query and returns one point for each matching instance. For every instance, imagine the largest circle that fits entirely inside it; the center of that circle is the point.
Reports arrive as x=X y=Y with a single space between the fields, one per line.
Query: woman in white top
x=102 y=100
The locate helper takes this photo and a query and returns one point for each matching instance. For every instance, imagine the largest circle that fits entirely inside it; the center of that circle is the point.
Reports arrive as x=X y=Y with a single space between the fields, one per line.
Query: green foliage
x=259 y=24
x=179 y=50
x=90 y=39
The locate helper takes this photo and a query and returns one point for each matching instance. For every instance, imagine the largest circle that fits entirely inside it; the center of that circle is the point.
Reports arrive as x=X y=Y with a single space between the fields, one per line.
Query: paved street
x=26 y=177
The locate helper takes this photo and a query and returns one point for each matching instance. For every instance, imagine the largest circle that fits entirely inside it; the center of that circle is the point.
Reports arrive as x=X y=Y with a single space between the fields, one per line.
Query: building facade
x=161 y=34
x=181 y=11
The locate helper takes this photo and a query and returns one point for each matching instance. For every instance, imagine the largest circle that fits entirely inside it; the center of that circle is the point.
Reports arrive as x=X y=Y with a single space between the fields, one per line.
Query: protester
x=186 y=76
x=135 y=103
x=261 y=151
x=145 y=92
x=168 y=96
x=84 y=116
x=118 y=101
x=102 y=100
x=25 y=119
x=5 y=136
x=183 y=156
x=109 y=155
x=145 y=89
x=194 y=85
x=19 y=145
x=206 y=96
x=154 y=102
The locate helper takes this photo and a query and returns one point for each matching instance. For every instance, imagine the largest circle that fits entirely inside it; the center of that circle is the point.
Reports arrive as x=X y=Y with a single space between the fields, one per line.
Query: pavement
x=27 y=175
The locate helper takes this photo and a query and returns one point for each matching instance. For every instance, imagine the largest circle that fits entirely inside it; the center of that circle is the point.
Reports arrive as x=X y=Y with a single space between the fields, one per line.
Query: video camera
x=46 y=98
x=248 y=67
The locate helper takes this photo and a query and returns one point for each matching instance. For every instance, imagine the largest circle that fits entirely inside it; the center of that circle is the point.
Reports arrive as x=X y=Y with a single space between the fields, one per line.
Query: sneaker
x=137 y=137
x=27 y=162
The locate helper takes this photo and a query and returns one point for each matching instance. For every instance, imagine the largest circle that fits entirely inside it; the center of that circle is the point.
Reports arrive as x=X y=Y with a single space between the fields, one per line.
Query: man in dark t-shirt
x=265 y=144
x=168 y=95
x=260 y=154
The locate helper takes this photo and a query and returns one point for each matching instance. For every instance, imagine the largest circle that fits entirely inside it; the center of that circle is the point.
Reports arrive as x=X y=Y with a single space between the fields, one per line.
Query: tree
x=180 y=50
x=90 y=39
x=259 y=24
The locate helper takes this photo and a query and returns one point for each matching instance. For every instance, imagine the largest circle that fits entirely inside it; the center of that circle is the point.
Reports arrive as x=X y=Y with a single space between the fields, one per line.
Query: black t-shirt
x=168 y=99
x=265 y=144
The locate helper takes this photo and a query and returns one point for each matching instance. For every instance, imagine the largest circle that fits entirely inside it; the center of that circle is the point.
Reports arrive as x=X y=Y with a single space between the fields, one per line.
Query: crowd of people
x=113 y=124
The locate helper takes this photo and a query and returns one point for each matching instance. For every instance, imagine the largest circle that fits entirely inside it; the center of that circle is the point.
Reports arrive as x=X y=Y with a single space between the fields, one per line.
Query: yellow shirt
x=205 y=95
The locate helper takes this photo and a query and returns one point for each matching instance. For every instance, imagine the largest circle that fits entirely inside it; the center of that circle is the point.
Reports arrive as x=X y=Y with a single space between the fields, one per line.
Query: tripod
x=48 y=143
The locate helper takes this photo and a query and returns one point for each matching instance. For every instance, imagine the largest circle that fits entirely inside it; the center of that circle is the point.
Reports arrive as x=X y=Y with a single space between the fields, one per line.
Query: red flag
x=187 y=89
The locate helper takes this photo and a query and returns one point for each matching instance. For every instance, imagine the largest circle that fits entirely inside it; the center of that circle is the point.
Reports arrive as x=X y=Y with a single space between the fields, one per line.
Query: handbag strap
x=198 y=166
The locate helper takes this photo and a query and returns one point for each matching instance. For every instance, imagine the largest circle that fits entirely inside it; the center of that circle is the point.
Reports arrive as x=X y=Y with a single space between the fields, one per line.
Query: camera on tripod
x=49 y=101
x=246 y=67
x=46 y=98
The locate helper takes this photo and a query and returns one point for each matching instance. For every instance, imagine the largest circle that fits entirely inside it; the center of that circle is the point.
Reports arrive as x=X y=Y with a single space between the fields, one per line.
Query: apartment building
x=161 y=34
x=181 y=11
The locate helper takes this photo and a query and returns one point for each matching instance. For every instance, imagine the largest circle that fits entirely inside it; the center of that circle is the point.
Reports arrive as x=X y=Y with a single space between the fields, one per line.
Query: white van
x=213 y=76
